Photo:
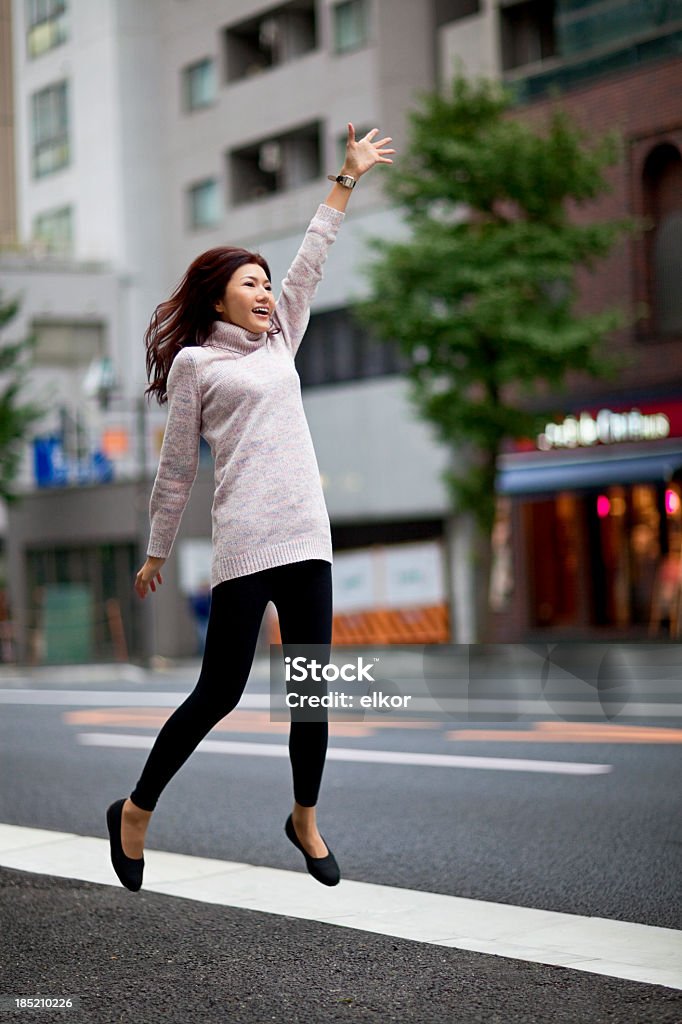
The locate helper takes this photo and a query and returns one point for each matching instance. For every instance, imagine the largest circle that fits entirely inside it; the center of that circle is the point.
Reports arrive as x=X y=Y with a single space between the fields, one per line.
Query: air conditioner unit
x=269 y=32
x=270 y=157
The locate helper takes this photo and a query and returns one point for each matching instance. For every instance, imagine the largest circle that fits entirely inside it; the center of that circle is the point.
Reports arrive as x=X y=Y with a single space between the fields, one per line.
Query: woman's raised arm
x=292 y=309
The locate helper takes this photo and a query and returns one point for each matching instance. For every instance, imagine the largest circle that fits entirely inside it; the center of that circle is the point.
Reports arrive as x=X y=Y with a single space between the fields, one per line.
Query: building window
x=276 y=164
x=350 y=25
x=204 y=209
x=336 y=349
x=598 y=26
x=527 y=33
x=282 y=34
x=50 y=129
x=447 y=11
x=667 y=263
x=55 y=230
x=68 y=345
x=199 y=85
x=46 y=25
x=662 y=196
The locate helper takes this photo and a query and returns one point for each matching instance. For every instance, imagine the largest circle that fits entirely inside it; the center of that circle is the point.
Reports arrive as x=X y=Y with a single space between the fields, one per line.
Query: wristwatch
x=343 y=179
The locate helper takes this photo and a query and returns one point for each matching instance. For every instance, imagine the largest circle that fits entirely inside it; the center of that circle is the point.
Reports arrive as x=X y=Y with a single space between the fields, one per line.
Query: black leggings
x=302 y=594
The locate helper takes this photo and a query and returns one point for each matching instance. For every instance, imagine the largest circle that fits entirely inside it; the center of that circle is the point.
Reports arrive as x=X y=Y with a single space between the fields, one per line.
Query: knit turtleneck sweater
x=241 y=392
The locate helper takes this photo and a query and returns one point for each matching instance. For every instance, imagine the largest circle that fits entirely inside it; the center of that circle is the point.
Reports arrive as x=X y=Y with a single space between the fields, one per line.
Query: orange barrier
x=426 y=624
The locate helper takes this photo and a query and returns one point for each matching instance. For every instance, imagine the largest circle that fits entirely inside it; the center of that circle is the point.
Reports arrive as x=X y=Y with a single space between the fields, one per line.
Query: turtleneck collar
x=236 y=339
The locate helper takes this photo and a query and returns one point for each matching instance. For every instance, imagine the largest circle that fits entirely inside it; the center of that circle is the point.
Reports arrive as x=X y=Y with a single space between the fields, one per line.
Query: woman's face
x=247 y=290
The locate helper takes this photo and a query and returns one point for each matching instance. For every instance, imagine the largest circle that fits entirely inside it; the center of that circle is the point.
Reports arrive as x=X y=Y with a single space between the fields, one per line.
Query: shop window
x=268 y=40
x=46 y=25
x=276 y=164
x=204 y=208
x=662 y=194
x=635 y=535
x=199 y=85
x=54 y=230
x=50 y=129
x=81 y=605
x=553 y=531
x=527 y=33
x=350 y=25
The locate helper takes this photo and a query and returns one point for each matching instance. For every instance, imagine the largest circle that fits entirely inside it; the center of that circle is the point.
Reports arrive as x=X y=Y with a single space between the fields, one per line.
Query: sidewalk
x=91 y=672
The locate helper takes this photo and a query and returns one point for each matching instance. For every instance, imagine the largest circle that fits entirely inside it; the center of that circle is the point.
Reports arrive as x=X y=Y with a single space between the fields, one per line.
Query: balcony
x=281 y=35
x=276 y=164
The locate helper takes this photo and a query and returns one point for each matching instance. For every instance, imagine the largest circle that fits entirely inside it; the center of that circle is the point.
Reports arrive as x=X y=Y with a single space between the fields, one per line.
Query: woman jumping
x=221 y=351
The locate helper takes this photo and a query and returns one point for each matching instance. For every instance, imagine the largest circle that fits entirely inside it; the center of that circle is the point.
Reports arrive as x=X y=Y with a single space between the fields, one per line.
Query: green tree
x=480 y=296
x=16 y=414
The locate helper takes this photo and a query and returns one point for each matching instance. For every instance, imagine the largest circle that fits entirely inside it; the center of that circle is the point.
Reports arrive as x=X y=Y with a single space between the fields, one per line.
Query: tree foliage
x=16 y=414
x=480 y=297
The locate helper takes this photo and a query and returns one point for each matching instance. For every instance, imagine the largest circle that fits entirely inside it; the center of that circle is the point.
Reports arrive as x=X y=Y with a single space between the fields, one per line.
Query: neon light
x=672 y=502
x=606 y=427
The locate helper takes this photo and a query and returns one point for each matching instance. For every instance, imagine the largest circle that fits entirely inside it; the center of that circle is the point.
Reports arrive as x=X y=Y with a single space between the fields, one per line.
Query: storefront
x=391 y=593
x=596 y=503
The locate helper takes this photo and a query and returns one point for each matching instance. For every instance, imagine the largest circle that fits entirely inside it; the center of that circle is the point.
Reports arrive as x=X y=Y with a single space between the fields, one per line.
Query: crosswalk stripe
x=617 y=949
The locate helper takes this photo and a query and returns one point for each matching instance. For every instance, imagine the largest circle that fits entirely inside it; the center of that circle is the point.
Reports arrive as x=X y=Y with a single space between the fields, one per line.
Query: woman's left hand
x=363 y=154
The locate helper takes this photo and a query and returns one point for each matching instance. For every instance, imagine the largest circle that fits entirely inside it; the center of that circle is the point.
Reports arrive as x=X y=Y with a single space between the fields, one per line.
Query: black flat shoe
x=128 y=869
x=324 y=869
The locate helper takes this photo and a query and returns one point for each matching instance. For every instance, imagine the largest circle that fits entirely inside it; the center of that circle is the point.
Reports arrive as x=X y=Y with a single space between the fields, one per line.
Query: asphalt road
x=602 y=845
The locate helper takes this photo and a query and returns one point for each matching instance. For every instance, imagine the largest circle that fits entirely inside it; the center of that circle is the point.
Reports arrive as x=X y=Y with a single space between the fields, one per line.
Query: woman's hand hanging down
x=148 y=575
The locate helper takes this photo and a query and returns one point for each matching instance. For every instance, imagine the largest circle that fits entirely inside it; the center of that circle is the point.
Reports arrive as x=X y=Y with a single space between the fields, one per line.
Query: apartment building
x=146 y=133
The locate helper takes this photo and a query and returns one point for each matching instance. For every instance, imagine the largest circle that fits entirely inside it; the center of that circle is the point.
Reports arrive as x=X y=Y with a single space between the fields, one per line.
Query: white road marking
x=453 y=705
x=617 y=949
x=507 y=764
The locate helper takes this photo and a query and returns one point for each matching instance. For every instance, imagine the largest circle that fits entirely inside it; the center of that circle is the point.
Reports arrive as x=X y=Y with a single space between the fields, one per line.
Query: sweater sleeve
x=179 y=457
x=292 y=309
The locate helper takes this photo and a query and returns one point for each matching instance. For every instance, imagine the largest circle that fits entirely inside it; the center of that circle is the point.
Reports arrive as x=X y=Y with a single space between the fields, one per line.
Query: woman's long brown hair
x=187 y=318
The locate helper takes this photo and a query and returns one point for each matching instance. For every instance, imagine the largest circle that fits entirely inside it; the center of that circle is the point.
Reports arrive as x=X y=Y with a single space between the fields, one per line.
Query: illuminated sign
x=606 y=427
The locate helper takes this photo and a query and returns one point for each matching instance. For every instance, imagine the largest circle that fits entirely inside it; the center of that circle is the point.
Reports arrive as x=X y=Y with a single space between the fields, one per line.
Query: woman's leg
x=237 y=608
x=302 y=594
